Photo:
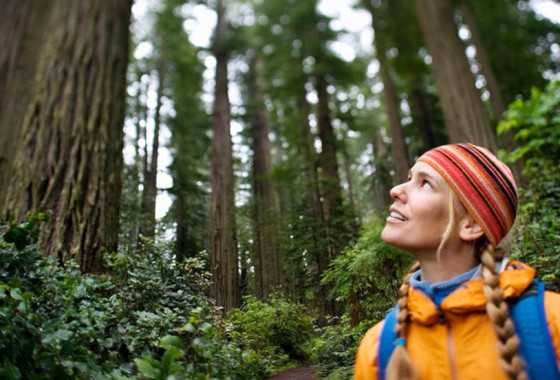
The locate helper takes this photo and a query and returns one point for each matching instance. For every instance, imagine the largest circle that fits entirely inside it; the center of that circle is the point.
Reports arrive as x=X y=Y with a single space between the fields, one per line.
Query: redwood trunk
x=268 y=265
x=224 y=267
x=70 y=161
x=23 y=28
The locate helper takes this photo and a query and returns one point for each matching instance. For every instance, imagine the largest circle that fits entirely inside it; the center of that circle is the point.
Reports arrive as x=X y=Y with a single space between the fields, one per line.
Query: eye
x=426 y=184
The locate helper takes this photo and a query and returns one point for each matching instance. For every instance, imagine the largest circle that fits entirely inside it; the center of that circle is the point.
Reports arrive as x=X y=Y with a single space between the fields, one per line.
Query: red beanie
x=483 y=183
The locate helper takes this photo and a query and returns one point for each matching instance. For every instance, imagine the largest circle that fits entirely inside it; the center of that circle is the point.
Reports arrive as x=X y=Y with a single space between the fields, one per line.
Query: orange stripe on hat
x=483 y=183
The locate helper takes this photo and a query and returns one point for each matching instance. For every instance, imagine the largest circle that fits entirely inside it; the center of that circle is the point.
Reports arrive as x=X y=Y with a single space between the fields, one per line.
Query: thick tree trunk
x=23 y=29
x=224 y=267
x=268 y=264
x=70 y=161
x=466 y=118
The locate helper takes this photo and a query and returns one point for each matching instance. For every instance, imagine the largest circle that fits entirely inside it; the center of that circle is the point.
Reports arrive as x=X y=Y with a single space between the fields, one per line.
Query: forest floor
x=299 y=373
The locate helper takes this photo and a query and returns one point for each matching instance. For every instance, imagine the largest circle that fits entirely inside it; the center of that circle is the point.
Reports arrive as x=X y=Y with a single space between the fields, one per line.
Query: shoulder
x=552 y=310
x=365 y=367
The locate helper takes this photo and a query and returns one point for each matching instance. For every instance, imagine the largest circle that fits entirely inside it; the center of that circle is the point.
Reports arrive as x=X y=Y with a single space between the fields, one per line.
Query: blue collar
x=438 y=291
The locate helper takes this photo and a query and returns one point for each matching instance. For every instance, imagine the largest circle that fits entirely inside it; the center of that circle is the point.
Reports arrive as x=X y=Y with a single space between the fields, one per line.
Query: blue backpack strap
x=535 y=347
x=387 y=342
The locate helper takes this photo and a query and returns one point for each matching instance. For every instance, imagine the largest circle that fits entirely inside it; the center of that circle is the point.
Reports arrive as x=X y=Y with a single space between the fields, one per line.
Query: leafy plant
x=278 y=330
x=536 y=124
x=334 y=352
x=57 y=323
x=367 y=275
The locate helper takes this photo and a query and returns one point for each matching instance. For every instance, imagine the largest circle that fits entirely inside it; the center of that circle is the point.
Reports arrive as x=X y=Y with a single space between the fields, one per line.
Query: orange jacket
x=464 y=347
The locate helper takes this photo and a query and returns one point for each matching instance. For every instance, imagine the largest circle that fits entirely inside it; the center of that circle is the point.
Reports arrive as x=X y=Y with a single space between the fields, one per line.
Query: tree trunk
x=382 y=181
x=423 y=114
x=149 y=193
x=398 y=145
x=70 y=161
x=224 y=267
x=23 y=29
x=497 y=103
x=268 y=265
x=329 y=179
x=392 y=106
x=466 y=118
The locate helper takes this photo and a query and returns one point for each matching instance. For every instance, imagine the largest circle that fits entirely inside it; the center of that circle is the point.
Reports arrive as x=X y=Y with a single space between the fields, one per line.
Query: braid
x=400 y=365
x=497 y=309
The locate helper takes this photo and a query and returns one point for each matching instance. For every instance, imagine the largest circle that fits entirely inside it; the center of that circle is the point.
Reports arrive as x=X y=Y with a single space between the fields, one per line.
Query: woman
x=452 y=320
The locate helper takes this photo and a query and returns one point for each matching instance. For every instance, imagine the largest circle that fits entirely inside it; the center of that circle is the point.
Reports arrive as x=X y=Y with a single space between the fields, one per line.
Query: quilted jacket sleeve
x=552 y=309
x=365 y=367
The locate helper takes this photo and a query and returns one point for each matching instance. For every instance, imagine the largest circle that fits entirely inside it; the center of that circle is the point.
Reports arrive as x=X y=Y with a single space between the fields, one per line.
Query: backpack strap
x=387 y=342
x=531 y=327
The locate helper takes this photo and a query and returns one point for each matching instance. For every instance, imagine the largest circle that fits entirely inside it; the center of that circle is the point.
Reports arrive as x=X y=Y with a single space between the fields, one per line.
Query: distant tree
x=392 y=104
x=224 y=266
x=268 y=258
x=70 y=160
x=150 y=165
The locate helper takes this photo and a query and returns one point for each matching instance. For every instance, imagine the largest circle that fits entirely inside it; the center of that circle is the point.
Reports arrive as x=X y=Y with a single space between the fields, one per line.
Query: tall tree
x=149 y=189
x=70 y=161
x=465 y=115
x=268 y=260
x=392 y=104
x=224 y=267
x=23 y=28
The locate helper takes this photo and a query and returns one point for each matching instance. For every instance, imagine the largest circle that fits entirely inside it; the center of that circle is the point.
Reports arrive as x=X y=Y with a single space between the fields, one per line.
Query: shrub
x=334 y=352
x=279 y=330
x=57 y=323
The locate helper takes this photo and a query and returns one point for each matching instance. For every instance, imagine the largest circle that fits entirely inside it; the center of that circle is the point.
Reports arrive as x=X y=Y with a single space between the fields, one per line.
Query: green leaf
x=146 y=368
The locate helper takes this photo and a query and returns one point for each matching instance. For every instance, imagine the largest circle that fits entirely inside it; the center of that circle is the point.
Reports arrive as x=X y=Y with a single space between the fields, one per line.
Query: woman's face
x=420 y=212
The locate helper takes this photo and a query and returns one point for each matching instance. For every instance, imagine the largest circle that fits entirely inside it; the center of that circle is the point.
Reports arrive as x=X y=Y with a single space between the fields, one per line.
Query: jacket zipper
x=450 y=346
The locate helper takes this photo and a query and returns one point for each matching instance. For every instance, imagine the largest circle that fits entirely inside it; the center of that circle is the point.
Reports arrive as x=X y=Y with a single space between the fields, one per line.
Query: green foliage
x=367 y=275
x=278 y=330
x=536 y=124
x=57 y=323
x=334 y=352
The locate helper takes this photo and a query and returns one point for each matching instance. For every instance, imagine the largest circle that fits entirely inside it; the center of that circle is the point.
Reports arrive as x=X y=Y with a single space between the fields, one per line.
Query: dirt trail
x=300 y=373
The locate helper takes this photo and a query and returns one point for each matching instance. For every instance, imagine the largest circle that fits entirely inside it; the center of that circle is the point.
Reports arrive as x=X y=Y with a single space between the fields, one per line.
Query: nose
x=398 y=192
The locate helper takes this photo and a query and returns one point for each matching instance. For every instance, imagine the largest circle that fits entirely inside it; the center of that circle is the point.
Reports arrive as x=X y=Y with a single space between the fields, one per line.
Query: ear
x=469 y=229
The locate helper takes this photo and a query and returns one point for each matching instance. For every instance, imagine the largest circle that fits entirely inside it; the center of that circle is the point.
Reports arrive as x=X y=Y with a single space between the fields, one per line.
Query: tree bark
x=224 y=267
x=23 y=29
x=268 y=264
x=70 y=161
x=466 y=118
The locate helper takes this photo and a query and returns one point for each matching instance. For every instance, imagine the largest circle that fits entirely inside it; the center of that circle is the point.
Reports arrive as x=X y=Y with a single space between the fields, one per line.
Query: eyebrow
x=425 y=175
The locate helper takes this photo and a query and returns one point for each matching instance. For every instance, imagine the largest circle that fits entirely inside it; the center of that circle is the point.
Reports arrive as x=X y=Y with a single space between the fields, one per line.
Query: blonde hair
x=400 y=365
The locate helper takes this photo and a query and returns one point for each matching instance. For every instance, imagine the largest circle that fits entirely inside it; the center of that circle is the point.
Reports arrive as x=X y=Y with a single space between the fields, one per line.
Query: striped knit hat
x=484 y=184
